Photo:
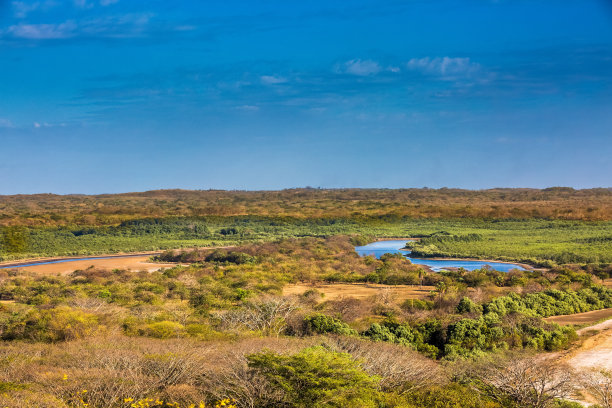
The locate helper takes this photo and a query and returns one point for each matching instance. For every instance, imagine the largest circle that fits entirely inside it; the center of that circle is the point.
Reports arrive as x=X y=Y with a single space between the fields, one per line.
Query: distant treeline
x=551 y=203
x=536 y=241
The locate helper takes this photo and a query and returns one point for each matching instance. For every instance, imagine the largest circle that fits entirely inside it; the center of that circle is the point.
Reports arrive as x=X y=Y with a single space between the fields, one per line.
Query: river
x=379 y=248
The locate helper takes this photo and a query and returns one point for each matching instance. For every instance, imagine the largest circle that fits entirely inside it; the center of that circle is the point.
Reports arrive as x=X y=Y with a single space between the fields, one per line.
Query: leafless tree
x=348 y=308
x=528 y=381
x=232 y=378
x=401 y=370
x=386 y=296
x=268 y=315
x=598 y=384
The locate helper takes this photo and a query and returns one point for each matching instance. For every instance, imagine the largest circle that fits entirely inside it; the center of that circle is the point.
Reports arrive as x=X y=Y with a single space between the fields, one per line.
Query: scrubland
x=270 y=321
x=218 y=330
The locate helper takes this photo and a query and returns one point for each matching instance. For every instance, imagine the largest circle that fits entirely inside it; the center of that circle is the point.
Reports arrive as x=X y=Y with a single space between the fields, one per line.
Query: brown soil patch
x=135 y=263
x=581 y=318
x=359 y=290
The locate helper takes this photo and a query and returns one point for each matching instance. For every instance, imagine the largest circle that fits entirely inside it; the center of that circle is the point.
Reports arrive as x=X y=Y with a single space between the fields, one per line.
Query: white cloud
x=360 y=67
x=123 y=26
x=247 y=108
x=272 y=79
x=43 y=31
x=39 y=125
x=6 y=124
x=82 y=4
x=445 y=67
x=185 y=28
x=21 y=9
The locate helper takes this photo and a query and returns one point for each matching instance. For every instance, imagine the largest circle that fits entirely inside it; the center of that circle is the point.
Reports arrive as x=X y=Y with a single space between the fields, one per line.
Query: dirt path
x=595 y=350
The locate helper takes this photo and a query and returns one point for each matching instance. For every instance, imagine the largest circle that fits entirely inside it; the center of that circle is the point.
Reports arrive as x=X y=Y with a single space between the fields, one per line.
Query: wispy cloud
x=6 y=124
x=87 y=4
x=359 y=67
x=83 y=4
x=247 y=108
x=273 y=79
x=122 y=26
x=21 y=9
x=38 y=125
x=42 y=31
x=444 y=67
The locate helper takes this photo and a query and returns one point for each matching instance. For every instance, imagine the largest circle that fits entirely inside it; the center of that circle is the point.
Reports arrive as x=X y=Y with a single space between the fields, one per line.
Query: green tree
x=317 y=377
x=13 y=240
x=467 y=305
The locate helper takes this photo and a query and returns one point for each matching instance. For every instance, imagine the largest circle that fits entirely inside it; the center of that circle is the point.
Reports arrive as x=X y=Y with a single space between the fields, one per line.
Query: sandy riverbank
x=21 y=262
x=134 y=263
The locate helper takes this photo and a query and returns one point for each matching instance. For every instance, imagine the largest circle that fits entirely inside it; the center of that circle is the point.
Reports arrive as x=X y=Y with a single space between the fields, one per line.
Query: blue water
x=380 y=248
x=65 y=260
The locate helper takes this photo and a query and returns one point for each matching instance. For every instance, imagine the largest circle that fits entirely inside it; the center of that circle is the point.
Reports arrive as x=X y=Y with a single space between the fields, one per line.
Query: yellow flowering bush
x=152 y=402
x=81 y=397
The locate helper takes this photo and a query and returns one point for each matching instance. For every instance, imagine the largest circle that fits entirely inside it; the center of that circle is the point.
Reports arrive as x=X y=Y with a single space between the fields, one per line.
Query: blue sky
x=104 y=96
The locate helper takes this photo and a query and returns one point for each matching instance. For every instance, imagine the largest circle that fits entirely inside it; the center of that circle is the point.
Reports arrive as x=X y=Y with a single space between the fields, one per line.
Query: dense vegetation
x=541 y=227
x=222 y=330
x=551 y=203
x=538 y=242
x=140 y=336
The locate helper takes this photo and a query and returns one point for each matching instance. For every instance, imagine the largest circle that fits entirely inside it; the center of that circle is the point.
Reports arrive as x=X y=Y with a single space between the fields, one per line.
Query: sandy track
x=595 y=351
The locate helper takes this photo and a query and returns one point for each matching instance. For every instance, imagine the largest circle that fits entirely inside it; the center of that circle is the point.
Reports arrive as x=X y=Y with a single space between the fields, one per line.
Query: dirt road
x=594 y=351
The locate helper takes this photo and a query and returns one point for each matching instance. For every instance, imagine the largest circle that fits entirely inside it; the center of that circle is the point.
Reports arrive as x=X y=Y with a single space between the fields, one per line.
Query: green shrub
x=319 y=323
x=52 y=325
x=163 y=330
x=467 y=305
x=410 y=305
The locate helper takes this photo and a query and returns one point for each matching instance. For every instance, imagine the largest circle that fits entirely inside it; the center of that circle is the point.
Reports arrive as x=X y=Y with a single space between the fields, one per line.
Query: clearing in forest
x=359 y=290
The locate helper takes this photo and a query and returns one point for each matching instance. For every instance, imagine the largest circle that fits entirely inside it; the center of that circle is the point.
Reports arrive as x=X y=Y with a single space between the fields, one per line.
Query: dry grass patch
x=335 y=291
x=581 y=318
